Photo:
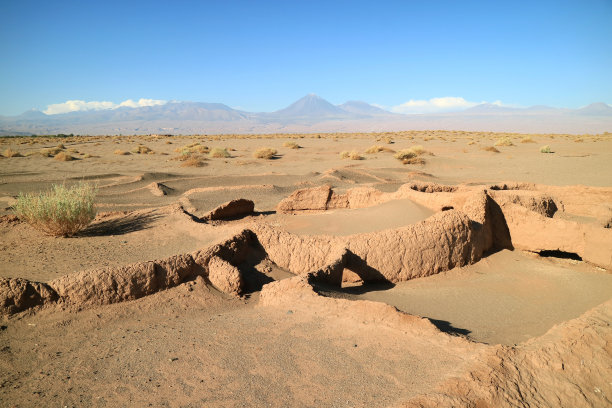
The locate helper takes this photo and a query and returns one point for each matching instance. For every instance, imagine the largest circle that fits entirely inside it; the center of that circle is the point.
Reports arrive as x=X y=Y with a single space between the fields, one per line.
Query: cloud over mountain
x=77 y=105
x=434 y=105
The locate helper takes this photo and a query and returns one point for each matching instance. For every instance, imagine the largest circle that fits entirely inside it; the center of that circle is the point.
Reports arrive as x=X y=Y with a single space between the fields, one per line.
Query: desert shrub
x=265 y=153
x=61 y=146
x=411 y=153
x=504 y=141
x=490 y=149
x=63 y=156
x=141 y=149
x=527 y=139
x=219 y=153
x=545 y=149
x=11 y=153
x=378 y=148
x=194 y=161
x=291 y=145
x=121 y=153
x=61 y=211
x=353 y=155
x=578 y=140
x=414 y=160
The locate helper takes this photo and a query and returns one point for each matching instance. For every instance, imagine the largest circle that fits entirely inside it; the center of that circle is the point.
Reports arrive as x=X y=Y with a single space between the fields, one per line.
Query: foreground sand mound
x=567 y=367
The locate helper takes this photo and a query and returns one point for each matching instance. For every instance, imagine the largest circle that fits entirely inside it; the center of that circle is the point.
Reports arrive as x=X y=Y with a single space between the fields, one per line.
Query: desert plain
x=475 y=272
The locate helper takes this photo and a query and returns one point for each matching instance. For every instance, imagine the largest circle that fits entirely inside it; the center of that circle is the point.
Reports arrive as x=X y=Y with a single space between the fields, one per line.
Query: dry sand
x=193 y=345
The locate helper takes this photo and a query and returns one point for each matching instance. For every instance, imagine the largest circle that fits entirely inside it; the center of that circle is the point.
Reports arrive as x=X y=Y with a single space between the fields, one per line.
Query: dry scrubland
x=405 y=269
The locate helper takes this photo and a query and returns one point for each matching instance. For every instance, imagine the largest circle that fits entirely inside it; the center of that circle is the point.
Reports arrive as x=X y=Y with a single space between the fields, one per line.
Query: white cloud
x=76 y=105
x=434 y=105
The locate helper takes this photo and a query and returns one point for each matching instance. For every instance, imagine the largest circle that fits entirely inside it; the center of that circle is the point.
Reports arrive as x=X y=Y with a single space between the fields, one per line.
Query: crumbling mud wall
x=471 y=222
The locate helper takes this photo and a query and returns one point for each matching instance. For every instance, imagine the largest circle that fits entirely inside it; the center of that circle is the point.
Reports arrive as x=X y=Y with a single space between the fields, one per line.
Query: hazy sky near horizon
x=263 y=55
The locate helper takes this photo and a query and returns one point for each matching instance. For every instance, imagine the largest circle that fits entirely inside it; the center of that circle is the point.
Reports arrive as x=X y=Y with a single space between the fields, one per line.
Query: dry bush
x=545 y=149
x=292 y=145
x=527 y=139
x=265 y=153
x=490 y=149
x=141 y=149
x=61 y=146
x=11 y=153
x=414 y=160
x=353 y=155
x=168 y=142
x=63 y=156
x=504 y=141
x=411 y=153
x=194 y=161
x=471 y=143
x=62 y=211
x=219 y=153
x=73 y=150
x=121 y=153
x=578 y=140
x=378 y=148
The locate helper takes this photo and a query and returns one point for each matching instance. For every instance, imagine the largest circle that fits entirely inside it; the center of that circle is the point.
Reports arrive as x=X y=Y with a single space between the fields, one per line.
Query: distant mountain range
x=309 y=114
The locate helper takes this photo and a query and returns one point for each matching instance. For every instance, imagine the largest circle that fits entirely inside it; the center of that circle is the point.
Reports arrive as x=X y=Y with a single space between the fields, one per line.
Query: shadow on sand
x=120 y=225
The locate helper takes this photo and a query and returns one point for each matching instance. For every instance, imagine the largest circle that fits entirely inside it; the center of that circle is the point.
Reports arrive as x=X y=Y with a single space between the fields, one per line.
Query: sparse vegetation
x=292 y=145
x=504 y=141
x=11 y=153
x=194 y=161
x=63 y=156
x=121 y=152
x=141 y=149
x=408 y=156
x=378 y=148
x=490 y=149
x=527 y=139
x=61 y=211
x=545 y=149
x=353 y=155
x=265 y=153
x=219 y=153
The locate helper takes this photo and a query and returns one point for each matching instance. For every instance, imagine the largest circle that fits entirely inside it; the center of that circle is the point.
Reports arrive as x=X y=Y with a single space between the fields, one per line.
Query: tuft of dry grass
x=504 y=141
x=63 y=156
x=377 y=148
x=265 y=153
x=219 y=153
x=62 y=211
x=578 y=140
x=545 y=149
x=141 y=149
x=11 y=153
x=414 y=160
x=527 y=139
x=490 y=149
x=121 y=152
x=353 y=155
x=194 y=161
x=292 y=145
x=411 y=153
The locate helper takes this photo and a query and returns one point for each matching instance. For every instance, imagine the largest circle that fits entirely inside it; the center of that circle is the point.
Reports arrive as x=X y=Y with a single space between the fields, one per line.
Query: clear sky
x=263 y=55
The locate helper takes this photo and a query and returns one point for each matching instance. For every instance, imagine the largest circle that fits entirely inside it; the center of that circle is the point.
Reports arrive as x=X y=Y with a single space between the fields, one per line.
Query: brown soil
x=154 y=305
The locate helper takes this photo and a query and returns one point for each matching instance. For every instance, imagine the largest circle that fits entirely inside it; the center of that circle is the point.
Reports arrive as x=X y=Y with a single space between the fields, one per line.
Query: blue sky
x=263 y=55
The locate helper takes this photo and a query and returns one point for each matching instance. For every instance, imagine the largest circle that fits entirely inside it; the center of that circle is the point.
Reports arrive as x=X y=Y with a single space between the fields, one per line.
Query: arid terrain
x=472 y=271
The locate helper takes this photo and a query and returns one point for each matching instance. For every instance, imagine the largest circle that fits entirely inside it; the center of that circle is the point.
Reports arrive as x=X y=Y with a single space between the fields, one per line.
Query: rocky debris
x=569 y=366
x=307 y=199
x=19 y=294
x=159 y=189
x=224 y=276
x=232 y=209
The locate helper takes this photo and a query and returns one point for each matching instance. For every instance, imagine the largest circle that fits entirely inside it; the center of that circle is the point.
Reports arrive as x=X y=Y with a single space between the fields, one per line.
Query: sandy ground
x=194 y=346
